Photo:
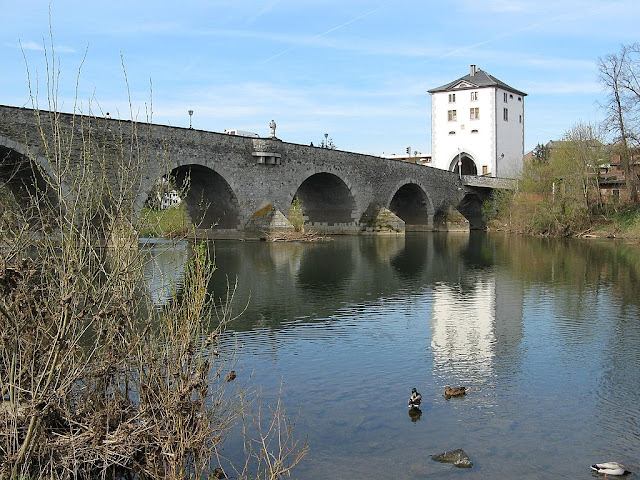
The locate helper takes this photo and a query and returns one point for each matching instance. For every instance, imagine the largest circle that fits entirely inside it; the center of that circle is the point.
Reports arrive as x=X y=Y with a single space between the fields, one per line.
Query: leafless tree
x=618 y=73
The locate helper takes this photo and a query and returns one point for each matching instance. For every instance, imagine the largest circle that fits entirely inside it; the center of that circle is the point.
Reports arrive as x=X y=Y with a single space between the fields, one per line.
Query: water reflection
x=545 y=335
x=164 y=268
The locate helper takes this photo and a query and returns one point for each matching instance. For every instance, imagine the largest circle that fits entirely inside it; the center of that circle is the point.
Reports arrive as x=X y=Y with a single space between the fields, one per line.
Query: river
x=544 y=333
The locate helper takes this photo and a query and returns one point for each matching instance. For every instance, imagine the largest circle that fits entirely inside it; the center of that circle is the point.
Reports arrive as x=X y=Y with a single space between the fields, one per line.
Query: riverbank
x=535 y=215
x=623 y=224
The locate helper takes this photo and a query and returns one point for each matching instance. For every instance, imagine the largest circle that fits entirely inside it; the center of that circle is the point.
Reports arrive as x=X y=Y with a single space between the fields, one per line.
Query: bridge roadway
x=240 y=185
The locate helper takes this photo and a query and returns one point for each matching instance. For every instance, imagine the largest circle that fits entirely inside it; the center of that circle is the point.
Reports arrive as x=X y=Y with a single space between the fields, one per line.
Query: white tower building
x=477 y=125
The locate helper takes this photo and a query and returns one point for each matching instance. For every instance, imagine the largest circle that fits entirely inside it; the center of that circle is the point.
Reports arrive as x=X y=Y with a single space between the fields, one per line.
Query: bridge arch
x=468 y=167
x=326 y=201
x=411 y=203
x=26 y=176
x=209 y=199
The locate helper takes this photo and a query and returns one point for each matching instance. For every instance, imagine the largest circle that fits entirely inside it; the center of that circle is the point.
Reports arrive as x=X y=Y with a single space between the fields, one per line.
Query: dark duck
x=415 y=399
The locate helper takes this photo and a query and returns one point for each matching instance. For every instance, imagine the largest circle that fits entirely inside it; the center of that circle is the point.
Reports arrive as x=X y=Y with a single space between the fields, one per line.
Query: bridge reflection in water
x=546 y=343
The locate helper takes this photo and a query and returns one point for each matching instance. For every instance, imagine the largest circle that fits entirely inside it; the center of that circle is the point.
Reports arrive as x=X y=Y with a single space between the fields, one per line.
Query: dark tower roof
x=475 y=79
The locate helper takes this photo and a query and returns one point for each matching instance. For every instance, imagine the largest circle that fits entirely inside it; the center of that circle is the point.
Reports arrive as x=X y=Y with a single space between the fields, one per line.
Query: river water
x=544 y=333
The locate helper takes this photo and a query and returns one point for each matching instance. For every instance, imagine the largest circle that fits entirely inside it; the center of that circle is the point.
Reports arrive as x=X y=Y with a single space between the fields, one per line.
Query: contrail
x=531 y=26
x=287 y=50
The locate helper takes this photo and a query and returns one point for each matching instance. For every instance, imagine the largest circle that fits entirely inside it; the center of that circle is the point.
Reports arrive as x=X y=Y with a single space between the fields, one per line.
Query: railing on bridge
x=489 y=182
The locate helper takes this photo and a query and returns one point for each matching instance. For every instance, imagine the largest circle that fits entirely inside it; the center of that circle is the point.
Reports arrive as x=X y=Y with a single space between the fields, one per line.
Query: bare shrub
x=96 y=381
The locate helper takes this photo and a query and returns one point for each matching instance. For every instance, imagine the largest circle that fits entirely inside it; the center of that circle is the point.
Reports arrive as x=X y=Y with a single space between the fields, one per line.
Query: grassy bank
x=621 y=223
x=172 y=222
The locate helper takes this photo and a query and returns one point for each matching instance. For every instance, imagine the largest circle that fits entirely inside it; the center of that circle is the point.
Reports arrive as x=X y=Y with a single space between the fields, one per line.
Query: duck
x=415 y=400
x=454 y=392
x=609 y=468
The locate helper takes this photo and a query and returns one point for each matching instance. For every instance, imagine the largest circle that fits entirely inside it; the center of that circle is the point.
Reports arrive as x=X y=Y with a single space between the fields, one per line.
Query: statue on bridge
x=272 y=127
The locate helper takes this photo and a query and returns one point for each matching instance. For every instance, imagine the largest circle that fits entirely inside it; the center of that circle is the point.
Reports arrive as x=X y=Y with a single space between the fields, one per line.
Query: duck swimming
x=415 y=400
x=609 y=468
x=454 y=392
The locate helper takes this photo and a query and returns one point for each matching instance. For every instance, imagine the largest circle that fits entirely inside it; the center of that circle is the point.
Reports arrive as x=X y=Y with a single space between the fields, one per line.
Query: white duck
x=609 y=468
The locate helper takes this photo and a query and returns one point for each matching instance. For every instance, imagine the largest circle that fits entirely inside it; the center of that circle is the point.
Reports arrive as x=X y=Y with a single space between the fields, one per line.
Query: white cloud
x=31 y=46
x=40 y=47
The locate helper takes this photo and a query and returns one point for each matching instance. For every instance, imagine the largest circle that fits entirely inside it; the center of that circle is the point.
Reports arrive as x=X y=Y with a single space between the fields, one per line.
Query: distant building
x=416 y=157
x=241 y=133
x=169 y=199
x=477 y=126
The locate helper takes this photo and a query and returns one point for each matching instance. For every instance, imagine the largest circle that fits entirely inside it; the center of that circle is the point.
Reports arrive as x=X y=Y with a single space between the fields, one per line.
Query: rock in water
x=458 y=457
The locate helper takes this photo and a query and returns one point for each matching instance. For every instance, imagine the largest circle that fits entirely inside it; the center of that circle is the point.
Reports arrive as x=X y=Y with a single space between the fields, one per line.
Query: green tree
x=562 y=192
x=576 y=162
x=541 y=153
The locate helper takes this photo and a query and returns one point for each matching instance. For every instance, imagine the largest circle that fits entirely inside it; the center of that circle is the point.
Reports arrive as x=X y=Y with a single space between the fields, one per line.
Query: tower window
x=452 y=98
x=504 y=95
x=505 y=114
x=474 y=113
x=452 y=115
x=474 y=96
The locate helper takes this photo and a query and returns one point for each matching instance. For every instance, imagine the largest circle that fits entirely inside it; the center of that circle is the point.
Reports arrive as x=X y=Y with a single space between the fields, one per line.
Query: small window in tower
x=474 y=96
x=474 y=113
x=505 y=114
x=510 y=96
x=504 y=95
x=485 y=169
x=520 y=118
x=452 y=98
x=452 y=115
x=452 y=132
x=519 y=99
x=474 y=131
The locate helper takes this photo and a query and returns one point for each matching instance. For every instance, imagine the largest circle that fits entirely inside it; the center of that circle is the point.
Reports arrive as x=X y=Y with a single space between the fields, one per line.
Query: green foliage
x=626 y=217
x=296 y=215
x=560 y=195
x=541 y=153
x=172 y=222
x=497 y=205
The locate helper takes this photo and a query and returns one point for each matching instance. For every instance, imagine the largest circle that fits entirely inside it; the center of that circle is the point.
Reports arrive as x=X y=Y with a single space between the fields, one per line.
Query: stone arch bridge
x=248 y=184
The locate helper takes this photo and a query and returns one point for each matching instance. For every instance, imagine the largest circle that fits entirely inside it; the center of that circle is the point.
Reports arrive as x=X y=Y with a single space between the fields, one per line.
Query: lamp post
x=459 y=165
x=190 y=117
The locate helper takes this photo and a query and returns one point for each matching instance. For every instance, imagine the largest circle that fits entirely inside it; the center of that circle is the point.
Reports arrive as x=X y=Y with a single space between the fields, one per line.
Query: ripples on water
x=546 y=345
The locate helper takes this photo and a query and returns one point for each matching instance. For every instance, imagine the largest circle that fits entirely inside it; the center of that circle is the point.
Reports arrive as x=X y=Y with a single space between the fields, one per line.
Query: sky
x=357 y=70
